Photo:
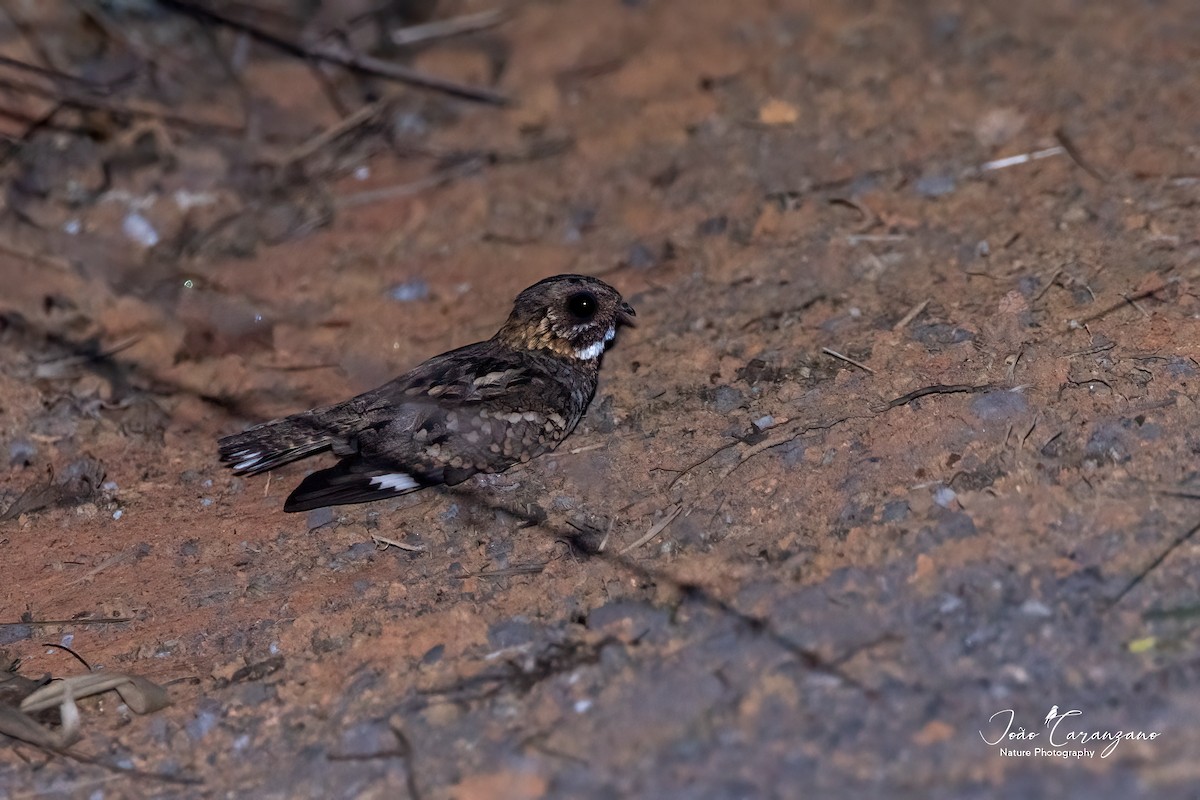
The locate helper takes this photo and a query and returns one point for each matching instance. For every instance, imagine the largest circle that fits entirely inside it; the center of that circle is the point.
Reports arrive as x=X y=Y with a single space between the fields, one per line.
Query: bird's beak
x=627 y=314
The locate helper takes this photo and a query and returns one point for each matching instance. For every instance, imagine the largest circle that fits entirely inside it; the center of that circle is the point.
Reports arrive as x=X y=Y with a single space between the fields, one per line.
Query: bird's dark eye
x=582 y=305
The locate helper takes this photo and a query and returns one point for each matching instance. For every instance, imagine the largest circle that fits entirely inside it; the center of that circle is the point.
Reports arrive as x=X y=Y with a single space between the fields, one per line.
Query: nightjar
x=480 y=408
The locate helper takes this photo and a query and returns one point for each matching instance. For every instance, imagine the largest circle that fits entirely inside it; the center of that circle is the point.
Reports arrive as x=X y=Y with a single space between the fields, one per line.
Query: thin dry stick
x=412 y=548
x=336 y=54
x=941 y=388
x=363 y=116
x=83 y=621
x=111 y=561
x=133 y=108
x=1023 y=158
x=1049 y=285
x=775 y=441
x=1126 y=299
x=847 y=359
x=911 y=315
x=46 y=72
x=444 y=28
x=655 y=529
x=608 y=533
x=1180 y=540
x=408 y=189
x=1073 y=153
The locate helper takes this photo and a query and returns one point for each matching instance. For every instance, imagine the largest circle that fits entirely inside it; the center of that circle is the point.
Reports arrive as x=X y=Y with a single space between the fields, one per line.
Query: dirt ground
x=912 y=418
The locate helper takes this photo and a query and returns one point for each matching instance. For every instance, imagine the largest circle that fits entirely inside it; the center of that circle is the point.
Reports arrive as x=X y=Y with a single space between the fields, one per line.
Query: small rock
x=713 y=226
x=936 y=185
x=409 y=292
x=934 y=334
x=629 y=620
x=319 y=518
x=14 y=633
x=1035 y=608
x=205 y=720
x=1107 y=445
x=138 y=228
x=998 y=406
x=727 y=398
x=944 y=496
x=640 y=256
x=894 y=511
x=368 y=739
x=511 y=633
x=21 y=453
x=954 y=525
x=950 y=604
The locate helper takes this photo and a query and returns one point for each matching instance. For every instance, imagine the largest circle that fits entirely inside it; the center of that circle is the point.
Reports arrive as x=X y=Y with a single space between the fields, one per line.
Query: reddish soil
x=924 y=424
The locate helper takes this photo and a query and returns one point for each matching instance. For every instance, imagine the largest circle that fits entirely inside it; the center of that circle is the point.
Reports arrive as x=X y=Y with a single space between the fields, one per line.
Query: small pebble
x=139 y=229
x=640 y=256
x=409 y=292
x=1035 y=608
x=319 y=518
x=21 y=452
x=935 y=185
x=944 y=496
x=950 y=604
x=118 y=514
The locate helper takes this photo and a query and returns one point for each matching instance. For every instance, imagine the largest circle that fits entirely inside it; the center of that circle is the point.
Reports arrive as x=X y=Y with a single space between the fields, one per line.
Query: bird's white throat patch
x=396 y=481
x=594 y=350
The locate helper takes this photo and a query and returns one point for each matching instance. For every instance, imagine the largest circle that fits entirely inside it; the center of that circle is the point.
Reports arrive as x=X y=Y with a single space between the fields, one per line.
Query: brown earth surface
x=915 y=427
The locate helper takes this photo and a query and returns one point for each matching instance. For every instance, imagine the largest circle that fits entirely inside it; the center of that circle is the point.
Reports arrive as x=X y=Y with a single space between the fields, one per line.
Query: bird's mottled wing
x=471 y=410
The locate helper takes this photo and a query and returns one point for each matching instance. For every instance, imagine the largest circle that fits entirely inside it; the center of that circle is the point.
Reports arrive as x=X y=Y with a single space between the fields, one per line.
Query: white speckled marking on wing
x=395 y=481
x=249 y=459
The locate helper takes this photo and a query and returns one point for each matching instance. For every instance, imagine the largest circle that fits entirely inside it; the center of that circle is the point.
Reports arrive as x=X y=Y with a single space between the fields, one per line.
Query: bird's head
x=573 y=316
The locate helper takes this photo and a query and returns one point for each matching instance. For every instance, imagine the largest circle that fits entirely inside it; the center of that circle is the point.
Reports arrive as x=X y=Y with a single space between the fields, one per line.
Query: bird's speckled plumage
x=480 y=408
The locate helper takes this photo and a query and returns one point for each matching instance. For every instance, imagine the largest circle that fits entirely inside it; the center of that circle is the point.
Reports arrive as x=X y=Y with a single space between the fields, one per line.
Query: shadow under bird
x=480 y=408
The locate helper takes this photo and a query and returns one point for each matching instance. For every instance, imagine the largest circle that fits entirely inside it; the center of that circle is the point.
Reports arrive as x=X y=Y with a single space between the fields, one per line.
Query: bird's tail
x=277 y=442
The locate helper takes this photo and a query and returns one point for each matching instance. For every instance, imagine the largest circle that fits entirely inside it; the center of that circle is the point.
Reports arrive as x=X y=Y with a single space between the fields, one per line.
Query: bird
x=1050 y=717
x=481 y=408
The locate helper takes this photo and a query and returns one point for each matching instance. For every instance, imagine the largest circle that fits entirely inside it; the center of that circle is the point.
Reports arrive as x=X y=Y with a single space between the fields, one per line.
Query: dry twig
x=333 y=53
x=829 y=352
x=655 y=529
